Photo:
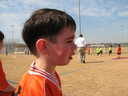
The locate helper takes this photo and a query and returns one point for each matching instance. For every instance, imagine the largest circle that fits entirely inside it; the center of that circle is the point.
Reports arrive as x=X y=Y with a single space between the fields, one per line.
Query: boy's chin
x=66 y=63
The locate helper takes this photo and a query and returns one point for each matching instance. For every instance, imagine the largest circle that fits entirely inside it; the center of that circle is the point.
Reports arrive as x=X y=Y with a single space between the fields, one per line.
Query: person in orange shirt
x=5 y=88
x=88 y=49
x=49 y=35
x=118 y=51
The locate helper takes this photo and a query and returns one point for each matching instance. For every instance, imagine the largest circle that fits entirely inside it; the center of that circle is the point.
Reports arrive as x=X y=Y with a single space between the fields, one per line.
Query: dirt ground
x=99 y=76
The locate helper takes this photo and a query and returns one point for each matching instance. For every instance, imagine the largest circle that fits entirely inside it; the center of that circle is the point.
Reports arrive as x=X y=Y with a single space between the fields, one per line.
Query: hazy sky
x=101 y=20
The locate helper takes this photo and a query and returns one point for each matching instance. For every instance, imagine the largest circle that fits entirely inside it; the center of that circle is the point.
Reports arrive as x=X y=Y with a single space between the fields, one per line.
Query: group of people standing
x=118 y=50
x=82 y=47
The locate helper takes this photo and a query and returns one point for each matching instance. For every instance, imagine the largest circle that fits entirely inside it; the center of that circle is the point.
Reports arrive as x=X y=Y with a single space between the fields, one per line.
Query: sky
x=102 y=21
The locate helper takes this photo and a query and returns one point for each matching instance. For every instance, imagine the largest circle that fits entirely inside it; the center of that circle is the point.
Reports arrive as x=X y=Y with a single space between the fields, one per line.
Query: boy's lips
x=72 y=56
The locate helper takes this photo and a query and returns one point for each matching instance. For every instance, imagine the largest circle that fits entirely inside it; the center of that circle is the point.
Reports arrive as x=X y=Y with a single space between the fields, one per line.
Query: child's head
x=80 y=35
x=1 y=39
x=46 y=24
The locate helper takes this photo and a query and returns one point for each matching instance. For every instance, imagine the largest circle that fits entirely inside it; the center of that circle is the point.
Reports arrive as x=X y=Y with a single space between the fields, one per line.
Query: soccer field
x=99 y=76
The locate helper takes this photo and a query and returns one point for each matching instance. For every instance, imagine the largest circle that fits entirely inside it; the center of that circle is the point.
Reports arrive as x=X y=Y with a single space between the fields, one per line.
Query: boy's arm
x=4 y=85
x=9 y=89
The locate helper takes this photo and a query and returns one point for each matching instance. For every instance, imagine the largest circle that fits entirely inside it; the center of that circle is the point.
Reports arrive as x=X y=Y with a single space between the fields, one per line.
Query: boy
x=5 y=88
x=97 y=51
x=49 y=35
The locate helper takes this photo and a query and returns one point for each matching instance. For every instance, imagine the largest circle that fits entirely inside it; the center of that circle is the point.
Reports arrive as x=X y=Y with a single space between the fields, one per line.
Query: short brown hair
x=45 y=23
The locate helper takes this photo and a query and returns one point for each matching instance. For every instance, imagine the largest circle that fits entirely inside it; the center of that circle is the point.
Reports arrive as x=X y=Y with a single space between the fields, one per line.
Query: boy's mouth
x=70 y=57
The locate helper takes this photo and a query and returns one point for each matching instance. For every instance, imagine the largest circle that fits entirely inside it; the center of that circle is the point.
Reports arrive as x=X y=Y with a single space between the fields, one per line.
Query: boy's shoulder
x=30 y=78
x=30 y=83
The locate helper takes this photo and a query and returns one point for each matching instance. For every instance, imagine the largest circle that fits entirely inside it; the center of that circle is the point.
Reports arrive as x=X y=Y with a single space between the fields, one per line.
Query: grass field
x=100 y=76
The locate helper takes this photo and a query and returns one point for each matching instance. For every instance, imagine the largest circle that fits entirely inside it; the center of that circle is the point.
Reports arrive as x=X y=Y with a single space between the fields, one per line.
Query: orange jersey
x=39 y=83
x=3 y=81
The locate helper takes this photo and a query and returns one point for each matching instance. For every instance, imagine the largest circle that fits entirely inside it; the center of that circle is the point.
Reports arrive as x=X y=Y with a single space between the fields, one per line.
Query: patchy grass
x=99 y=76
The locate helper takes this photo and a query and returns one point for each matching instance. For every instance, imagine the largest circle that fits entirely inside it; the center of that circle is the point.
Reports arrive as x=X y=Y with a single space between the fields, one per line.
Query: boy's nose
x=74 y=46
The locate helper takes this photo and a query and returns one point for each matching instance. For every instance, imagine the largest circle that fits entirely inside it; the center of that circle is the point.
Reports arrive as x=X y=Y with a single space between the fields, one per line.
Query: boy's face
x=61 y=52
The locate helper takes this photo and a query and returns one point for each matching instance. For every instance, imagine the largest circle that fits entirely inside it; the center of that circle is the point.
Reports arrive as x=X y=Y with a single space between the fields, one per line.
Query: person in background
x=81 y=45
x=97 y=51
x=101 y=51
x=118 y=51
x=110 y=50
x=5 y=88
x=88 y=49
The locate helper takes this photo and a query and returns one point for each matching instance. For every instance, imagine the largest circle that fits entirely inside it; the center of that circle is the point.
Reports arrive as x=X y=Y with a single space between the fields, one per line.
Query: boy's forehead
x=67 y=30
x=67 y=33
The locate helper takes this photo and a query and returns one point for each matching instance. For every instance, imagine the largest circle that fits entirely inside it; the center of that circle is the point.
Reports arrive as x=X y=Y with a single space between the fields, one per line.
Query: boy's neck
x=43 y=65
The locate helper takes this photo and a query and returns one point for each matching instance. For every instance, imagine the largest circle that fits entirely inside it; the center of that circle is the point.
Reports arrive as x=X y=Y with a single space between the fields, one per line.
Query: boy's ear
x=41 y=45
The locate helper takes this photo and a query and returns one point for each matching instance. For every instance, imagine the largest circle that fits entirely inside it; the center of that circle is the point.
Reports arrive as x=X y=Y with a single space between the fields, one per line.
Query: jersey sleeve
x=3 y=81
